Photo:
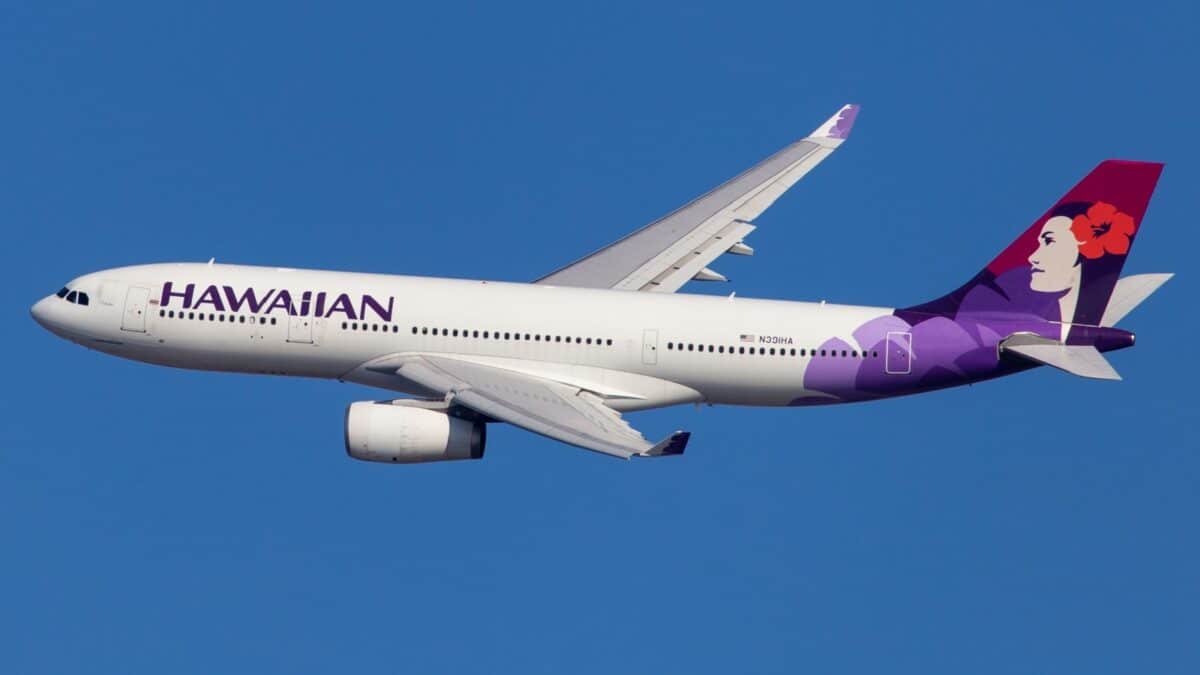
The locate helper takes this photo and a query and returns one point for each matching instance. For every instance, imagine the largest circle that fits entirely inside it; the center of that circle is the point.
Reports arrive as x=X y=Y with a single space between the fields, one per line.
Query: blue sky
x=155 y=520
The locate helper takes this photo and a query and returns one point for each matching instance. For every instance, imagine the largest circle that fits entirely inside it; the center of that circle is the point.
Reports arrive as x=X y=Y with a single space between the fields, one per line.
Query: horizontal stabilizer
x=1081 y=360
x=1129 y=293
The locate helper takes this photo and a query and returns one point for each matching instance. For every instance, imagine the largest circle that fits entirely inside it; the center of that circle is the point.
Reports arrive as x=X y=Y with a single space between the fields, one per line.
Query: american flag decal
x=747 y=337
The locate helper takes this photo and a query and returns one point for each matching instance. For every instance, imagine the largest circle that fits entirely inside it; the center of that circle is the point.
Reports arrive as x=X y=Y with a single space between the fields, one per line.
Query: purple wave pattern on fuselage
x=946 y=352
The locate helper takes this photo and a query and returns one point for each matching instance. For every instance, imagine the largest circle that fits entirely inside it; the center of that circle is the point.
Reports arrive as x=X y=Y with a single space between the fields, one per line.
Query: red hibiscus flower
x=1102 y=229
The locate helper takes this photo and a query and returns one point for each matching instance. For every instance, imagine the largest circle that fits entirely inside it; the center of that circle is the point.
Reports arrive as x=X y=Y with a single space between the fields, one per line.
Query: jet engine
x=385 y=432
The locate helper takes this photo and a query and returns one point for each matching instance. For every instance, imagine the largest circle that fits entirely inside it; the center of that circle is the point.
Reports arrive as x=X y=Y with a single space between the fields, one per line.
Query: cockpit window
x=77 y=297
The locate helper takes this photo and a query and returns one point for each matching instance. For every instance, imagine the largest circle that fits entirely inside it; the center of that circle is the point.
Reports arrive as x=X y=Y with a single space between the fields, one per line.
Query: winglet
x=839 y=125
x=671 y=445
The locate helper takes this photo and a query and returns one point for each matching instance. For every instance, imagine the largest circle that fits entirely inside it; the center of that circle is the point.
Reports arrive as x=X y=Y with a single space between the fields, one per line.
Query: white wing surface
x=545 y=407
x=664 y=255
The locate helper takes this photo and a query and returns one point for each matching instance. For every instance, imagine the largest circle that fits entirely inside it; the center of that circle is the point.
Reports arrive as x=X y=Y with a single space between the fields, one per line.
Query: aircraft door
x=898 y=357
x=134 y=318
x=300 y=329
x=650 y=346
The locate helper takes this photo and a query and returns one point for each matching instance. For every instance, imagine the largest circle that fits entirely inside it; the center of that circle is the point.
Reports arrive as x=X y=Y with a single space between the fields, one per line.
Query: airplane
x=565 y=355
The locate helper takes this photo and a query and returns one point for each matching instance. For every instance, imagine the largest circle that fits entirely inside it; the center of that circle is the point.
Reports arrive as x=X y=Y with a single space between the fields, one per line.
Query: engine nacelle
x=382 y=432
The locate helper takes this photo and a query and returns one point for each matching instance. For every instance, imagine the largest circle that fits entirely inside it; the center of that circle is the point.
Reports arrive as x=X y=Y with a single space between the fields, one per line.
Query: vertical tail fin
x=1065 y=265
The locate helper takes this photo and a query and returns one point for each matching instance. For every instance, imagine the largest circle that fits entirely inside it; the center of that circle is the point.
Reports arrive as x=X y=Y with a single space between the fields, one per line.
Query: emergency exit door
x=650 y=346
x=300 y=329
x=898 y=357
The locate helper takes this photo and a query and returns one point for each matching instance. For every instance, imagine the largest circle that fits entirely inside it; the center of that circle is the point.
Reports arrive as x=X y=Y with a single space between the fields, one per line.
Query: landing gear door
x=898 y=357
x=650 y=346
x=134 y=318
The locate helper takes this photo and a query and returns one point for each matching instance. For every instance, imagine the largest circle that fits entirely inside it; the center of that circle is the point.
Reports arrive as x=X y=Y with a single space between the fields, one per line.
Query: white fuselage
x=640 y=350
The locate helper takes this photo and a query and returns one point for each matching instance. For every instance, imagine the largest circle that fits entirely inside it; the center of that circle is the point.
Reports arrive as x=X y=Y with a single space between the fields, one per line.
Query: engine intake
x=383 y=432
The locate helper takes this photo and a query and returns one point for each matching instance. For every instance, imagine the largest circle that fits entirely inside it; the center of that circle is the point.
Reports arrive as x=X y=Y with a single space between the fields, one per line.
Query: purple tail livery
x=1065 y=265
x=1051 y=298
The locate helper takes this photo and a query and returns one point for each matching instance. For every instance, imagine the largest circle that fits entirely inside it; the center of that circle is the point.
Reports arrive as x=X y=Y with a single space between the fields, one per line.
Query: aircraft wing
x=545 y=407
x=664 y=255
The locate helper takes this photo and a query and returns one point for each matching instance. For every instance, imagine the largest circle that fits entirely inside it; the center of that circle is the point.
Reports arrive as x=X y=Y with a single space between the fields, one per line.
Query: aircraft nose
x=41 y=311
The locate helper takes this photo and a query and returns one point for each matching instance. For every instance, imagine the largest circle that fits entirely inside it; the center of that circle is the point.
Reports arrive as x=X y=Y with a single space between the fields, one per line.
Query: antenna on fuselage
x=211 y=261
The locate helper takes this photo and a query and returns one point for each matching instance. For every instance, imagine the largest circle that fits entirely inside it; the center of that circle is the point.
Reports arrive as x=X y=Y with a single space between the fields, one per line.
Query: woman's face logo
x=1055 y=263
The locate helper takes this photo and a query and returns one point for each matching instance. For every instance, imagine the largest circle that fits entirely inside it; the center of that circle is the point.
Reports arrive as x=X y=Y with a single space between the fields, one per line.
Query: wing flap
x=685 y=268
x=545 y=407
